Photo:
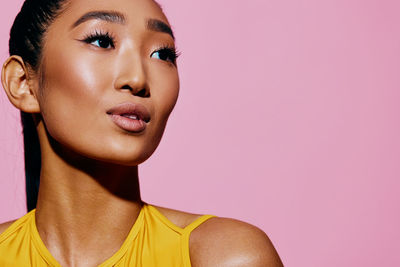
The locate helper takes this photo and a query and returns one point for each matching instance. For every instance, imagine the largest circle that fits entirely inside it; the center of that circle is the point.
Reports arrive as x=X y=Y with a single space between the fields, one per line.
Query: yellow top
x=152 y=241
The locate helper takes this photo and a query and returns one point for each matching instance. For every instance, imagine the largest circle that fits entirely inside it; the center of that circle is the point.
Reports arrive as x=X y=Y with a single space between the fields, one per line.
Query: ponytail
x=26 y=41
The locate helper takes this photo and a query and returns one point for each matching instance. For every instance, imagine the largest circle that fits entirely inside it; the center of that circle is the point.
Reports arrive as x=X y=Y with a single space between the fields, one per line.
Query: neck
x=85 y=208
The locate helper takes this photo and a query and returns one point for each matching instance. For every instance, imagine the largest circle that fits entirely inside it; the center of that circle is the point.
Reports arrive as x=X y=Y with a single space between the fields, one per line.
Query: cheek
x=72 y=77
x=73 y=85
x=164 y=101
x=79 y=88
x=166 y=85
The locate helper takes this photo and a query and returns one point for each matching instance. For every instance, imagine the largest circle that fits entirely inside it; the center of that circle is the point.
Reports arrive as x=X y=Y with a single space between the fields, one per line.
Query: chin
x=125 y=156
x=133 y=160
x=116 y=153
x=118 y=149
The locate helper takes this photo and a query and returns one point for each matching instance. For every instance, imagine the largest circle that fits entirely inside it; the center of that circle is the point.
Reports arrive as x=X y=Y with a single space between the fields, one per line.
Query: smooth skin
x=89 y=194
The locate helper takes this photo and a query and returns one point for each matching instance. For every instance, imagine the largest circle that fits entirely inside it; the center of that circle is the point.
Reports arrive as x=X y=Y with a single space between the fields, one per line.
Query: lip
x=119 y=113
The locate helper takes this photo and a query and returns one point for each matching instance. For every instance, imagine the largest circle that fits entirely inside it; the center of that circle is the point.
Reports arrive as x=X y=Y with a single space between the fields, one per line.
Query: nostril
x=127 y=87
x=142 y=93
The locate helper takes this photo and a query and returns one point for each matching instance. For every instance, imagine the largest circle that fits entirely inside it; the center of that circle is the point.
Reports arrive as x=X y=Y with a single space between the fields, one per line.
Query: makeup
x=130 y=117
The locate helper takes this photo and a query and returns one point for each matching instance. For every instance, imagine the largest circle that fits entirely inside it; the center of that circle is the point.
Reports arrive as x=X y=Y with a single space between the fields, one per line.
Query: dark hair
x=26 y=40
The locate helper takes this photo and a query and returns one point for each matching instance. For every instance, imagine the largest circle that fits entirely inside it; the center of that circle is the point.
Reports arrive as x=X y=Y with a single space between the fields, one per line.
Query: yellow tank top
x=152 y=241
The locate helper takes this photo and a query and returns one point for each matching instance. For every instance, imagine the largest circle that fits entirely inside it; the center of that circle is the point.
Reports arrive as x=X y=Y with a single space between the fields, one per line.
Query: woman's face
x=109 y=79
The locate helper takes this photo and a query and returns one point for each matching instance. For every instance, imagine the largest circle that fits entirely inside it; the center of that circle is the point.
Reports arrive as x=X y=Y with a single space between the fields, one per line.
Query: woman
x=95 y=82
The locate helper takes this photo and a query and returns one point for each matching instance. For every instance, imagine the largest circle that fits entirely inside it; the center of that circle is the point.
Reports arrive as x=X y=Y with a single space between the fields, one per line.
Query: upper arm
x=231 y=243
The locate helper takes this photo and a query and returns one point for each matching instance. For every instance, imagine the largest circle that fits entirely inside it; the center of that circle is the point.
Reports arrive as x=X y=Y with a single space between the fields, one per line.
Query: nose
x=132 y=76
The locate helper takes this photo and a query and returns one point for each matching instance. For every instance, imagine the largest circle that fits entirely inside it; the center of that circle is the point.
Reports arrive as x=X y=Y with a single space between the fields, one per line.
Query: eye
x=103 y=43
x=102 y=40
x=166 y=54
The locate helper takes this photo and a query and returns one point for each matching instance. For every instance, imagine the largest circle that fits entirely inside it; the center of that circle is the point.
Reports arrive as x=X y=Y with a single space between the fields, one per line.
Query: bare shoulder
x=228 y=242
x=4 y=226
x=225 y=242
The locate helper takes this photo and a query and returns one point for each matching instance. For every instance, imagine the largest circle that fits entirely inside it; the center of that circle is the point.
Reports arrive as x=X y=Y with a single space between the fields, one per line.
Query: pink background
x=288 y=118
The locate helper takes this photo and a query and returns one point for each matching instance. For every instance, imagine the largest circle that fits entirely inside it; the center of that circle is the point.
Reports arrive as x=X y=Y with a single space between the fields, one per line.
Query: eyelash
x=98 y=35
x=172 y=52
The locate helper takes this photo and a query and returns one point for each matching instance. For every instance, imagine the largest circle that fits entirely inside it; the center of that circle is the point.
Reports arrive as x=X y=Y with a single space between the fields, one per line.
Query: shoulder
x=228 y=242
x=4 y=226
x=225 y=242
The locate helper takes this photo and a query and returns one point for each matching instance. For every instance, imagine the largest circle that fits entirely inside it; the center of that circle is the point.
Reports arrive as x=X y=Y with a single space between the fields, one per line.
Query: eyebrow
x=109 y=16
x=159 y=26
x=117 y=17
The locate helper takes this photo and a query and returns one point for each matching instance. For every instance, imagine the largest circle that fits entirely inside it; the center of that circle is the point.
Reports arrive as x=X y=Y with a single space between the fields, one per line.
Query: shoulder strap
x=186 y=235
x=197 y=223
x=16 y=225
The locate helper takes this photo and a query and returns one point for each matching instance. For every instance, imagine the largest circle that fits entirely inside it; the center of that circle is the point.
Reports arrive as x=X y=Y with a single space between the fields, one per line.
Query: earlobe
x=15 y=80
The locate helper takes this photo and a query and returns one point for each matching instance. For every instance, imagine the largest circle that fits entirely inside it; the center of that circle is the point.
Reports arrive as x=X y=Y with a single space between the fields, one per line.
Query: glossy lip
x=128 y=108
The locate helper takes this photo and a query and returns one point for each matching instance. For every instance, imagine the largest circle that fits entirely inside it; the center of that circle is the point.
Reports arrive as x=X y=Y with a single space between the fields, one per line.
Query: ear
x=15 y=80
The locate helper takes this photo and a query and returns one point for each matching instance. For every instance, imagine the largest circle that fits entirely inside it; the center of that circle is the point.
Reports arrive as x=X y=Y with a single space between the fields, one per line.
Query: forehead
x=135 y=11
